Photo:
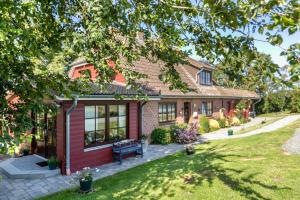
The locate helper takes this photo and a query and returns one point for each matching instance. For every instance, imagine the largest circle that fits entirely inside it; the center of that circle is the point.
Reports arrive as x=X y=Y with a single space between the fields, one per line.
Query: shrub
x=213 y=125
x=222 y=122
x=161 y=136
x=235 y=121
x=204 y=125
x=244 y=120
x=295 y=105
x=186 y=136
x=176 y=128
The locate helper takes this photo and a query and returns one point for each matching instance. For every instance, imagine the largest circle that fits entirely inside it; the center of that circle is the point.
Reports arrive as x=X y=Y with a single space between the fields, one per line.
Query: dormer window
x=205 y=77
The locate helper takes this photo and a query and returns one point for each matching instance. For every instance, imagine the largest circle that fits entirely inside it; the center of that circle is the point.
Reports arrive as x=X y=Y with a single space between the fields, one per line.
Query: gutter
x=253 y=108
x=68 y=113
x=142 y=119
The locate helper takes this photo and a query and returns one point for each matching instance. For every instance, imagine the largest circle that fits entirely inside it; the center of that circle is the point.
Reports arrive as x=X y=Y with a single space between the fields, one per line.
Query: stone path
x=292 y=146
x=19 y=189
x=222 y=134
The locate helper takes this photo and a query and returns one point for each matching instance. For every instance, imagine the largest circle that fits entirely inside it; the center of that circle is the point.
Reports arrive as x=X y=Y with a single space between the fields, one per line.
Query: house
x=82 y=132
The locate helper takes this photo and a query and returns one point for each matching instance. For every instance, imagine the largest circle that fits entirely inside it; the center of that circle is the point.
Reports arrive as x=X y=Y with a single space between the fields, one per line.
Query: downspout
x=142 y=119
x=253 y=106
x=68 y=113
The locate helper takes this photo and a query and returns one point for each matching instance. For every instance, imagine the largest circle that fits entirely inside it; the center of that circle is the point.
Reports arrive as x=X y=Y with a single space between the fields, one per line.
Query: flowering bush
x=84 y=175
x=176 y=129
x=186 y=136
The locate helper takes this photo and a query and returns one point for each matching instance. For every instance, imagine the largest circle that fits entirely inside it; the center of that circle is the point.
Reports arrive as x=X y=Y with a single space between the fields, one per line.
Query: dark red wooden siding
x=80 y=159
x=60 y=138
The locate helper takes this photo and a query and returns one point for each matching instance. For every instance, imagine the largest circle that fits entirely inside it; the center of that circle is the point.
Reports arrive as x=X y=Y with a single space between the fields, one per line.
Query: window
x=205 y=77
x=206 y=108
x=167 y=112
x=105 y=124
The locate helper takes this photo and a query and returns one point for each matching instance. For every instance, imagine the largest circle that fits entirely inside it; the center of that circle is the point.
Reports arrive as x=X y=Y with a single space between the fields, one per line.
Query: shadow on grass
x=156 y=179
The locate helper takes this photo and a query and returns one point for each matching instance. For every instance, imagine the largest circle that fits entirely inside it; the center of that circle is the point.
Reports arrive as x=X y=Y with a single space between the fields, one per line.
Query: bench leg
x=120 y=159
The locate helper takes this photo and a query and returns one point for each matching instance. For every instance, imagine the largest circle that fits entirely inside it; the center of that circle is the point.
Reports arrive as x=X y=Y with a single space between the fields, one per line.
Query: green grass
x=257 y=126
x=248 y=168
x=275 y=114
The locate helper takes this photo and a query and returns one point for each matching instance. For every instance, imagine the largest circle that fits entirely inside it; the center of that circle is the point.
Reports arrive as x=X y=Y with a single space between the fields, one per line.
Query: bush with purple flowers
x=186 y=136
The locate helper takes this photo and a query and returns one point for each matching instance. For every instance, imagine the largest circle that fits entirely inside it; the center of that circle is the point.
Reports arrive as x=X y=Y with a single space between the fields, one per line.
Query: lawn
x=275 y=114
x=257 y=126
x=248 y=168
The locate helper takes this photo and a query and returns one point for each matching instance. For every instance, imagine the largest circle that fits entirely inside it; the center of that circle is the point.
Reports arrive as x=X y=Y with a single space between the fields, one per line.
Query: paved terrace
x=15 y=189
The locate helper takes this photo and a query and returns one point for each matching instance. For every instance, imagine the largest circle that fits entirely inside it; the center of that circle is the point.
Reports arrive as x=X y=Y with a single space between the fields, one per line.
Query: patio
x=26 y=168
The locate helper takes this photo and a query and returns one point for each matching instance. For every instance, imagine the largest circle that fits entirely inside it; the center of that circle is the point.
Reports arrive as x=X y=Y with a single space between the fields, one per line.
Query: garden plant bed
x=226 y=169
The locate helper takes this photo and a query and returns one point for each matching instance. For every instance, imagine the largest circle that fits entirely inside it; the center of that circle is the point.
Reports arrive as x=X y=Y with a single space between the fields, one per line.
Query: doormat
x=42 y=164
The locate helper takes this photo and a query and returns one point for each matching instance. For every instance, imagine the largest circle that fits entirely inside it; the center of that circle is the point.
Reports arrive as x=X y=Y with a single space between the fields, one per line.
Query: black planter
x=190 y=152
x=25 y=152
x=86 y=186
x=52 y=166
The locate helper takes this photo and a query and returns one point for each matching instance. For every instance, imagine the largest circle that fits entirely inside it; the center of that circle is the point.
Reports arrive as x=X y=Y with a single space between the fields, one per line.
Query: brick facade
x=150 y=118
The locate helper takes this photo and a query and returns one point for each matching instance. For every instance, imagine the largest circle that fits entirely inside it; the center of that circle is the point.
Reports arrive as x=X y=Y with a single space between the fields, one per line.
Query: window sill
x=97 y=147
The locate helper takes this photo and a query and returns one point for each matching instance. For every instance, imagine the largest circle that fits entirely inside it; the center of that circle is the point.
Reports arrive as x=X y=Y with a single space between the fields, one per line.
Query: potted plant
x=230 y=132
x=145 y=142
x=190 y=149
x=52 y=163
x=25 y=151
x=85 y=179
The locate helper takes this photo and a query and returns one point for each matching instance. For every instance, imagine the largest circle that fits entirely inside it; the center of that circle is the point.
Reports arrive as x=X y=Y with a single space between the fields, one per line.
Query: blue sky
x=274 y=51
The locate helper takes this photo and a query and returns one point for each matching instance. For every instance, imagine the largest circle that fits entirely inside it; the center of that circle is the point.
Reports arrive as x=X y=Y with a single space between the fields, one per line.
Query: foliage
x=203 y=125
x=144 y=137
x=213 y=125
x=84 y=175
x=274 y=102
x=186 y=136
x=53 y=161
x=175 y=129
x=235 y=121
x=295 y=101
x=222 y=122
x=161 y=136
x=39 y=38
x=244 y=120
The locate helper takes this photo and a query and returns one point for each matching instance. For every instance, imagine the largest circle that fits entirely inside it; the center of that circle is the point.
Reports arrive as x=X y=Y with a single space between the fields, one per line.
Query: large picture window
x=206 y=108
x=205 y=77
x=167 y=112
x=105 y=123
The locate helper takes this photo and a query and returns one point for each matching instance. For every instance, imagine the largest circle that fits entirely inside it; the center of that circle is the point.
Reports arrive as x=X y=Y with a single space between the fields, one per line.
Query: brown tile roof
x=185 y=71
x=153 y=85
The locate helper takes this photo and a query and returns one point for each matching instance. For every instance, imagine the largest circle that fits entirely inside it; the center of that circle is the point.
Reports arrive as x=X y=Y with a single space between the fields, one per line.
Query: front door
x=187 y=112
x=45 y=135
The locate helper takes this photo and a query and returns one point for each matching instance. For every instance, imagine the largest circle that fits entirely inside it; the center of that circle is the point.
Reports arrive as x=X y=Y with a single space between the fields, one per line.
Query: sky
x=274 y=51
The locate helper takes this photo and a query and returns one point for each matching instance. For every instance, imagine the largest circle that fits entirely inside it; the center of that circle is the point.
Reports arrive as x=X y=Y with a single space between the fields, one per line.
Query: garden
x=188 y=133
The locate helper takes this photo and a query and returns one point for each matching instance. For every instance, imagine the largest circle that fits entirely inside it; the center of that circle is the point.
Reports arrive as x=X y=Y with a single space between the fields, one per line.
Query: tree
x=295 y=101
x=34 y=33
x=255 y=71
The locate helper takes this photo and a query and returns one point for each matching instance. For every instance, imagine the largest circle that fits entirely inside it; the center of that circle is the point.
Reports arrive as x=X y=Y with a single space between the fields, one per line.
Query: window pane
x=164 y=108
x=122 y=110
x=100 y=111
x=160 y=117
x=89 y=137
x=113 y=122
x=113 y=110
x=160 y=110
x=113 y=134
x=100 y=136
x=100 y=124
x=89 y=124
x=122 y=121
x=173 y=116
x=89 y=111
x=122 y=133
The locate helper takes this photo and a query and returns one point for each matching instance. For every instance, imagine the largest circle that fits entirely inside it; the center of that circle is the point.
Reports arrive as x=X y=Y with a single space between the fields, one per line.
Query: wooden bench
x=126 y=147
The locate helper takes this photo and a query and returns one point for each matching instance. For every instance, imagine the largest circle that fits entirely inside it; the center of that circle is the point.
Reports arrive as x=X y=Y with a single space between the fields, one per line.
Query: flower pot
x=52 y=166
x=230 y=132
x=25 y=152
x=85 y=185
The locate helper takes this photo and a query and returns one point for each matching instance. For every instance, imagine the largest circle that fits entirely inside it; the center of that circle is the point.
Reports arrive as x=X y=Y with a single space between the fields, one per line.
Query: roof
x=154 y=86
x=187 y=74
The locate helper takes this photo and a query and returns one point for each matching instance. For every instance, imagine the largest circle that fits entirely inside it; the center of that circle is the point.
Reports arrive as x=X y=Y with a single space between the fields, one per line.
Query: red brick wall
x=150 y=118
x=78 y=158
